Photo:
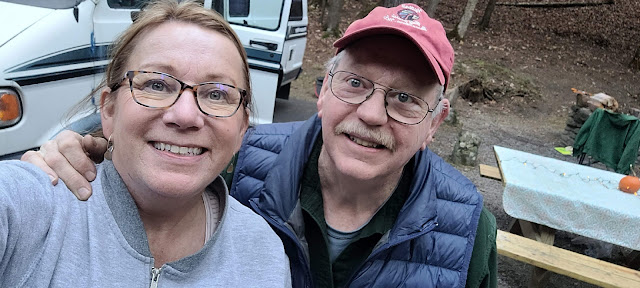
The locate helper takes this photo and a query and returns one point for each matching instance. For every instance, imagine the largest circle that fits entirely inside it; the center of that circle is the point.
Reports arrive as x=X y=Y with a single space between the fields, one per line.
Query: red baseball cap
x=412 y=22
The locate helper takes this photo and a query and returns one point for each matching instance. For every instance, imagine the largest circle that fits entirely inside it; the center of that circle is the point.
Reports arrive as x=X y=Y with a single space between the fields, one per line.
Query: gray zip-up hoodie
x=50 y=239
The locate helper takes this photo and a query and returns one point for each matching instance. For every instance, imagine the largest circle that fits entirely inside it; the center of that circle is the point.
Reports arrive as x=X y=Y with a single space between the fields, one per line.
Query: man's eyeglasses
x=161 y=90
x=401 y=106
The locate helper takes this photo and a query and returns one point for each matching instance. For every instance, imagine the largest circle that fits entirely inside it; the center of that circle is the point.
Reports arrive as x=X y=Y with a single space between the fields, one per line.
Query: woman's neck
x=174 y=231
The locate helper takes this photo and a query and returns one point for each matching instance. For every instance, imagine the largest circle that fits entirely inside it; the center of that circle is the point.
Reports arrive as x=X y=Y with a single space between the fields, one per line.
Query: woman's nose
x=185 y=113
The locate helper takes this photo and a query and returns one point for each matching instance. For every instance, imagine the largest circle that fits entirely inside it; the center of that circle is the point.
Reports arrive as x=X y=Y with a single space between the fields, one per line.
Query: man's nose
x=185 y=113
x=373 y=110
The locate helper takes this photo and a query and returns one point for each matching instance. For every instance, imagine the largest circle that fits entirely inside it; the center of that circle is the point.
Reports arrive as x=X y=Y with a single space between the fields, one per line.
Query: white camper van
x=54 y=52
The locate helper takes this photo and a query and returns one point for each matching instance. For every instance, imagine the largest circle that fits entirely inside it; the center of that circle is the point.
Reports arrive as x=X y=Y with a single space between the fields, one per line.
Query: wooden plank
x=565 y=262
x=490 y=171
x=504 y=181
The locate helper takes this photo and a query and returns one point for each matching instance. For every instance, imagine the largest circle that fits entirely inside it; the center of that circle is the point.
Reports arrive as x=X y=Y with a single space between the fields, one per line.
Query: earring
x=107 y=154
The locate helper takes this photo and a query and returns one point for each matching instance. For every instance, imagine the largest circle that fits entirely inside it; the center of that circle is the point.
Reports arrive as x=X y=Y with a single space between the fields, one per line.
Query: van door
x=262 y=28
x=294 y=46
x=110 y=19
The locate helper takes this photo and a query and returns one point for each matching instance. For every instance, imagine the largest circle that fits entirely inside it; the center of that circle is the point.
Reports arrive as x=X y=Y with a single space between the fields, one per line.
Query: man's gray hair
x=333 y=62
x=440 y=107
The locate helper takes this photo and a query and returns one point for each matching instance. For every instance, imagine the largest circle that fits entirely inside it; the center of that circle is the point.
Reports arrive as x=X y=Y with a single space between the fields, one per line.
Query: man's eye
x=355 y=82
x=404 y=98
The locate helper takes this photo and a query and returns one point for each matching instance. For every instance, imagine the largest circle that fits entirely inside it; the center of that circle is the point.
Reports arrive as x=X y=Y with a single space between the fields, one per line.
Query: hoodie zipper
x=155 y=274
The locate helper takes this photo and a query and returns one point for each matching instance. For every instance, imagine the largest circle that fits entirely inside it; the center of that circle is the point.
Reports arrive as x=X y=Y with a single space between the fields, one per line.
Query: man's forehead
x=406 y=69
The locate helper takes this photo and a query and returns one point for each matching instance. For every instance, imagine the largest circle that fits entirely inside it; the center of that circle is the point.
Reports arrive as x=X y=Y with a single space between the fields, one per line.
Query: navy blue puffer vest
x=430 y=244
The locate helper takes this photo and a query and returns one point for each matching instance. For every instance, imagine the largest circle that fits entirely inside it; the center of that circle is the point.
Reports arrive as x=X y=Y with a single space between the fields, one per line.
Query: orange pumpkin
x=629 y=184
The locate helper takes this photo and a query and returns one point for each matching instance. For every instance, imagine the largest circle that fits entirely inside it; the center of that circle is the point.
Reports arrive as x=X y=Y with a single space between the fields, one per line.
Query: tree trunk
x=558 y=4
x=333 y=18
x=323 y=10
x=393 y=3
x=486 y=18
x=461 y=28
x=635 y=62
x=431 y=8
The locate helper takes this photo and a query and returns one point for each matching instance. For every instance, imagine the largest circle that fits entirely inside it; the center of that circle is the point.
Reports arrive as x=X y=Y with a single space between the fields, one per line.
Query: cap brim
x=378 y=30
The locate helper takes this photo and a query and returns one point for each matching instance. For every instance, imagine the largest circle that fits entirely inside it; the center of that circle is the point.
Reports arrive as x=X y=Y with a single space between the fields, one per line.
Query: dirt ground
x=530 y=58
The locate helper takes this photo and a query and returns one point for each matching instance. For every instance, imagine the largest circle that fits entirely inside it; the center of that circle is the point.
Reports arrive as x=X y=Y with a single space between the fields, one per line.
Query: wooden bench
x=565 y=262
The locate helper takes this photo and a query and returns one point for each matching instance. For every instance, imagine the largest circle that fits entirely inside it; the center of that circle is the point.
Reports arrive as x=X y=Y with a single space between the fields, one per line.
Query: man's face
x=361 y=140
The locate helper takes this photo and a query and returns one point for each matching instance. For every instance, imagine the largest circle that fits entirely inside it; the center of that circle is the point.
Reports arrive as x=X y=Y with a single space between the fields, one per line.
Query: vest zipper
x=155 y=274
x=388 y=245
x=290 y=234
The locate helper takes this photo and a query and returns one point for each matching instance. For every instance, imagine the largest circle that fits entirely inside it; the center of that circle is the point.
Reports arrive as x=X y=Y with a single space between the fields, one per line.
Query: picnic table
x=544 y=195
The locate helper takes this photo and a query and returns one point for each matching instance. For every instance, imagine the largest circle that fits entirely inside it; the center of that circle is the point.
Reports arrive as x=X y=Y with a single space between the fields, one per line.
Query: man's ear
x=435 y=122
x=323 y=92
x=243 y=129
x=107 y=111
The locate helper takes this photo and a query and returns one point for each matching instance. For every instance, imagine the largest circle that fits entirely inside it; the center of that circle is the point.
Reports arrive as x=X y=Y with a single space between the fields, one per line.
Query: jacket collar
x=280 y=196
x=126 y=215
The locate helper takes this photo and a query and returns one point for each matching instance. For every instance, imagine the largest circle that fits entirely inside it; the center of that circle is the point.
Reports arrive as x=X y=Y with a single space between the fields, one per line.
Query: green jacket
x=611 y=138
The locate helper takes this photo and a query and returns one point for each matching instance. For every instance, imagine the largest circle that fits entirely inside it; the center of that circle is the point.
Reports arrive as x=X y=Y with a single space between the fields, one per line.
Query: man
x=353 y=192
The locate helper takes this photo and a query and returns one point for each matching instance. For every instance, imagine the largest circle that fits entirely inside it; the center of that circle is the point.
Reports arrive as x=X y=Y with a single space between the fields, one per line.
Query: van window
x=126 y=4
x=261 y=14
x=296 y=10
x=239 y=9
x=51 y=4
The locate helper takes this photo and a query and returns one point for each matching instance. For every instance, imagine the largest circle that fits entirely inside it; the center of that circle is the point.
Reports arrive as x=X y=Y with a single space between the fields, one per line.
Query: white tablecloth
x=570 y=197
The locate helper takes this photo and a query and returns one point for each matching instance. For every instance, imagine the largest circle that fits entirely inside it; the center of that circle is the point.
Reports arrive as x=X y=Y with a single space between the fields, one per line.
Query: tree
x=323 y=11
x=393 y=3
x=333 y=17
x=462 y=26
x=635 y=62
x=486 y=18
x=431 y=8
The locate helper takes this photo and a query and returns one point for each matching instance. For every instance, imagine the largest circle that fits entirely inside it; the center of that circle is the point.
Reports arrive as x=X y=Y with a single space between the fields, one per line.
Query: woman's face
x=193 y=55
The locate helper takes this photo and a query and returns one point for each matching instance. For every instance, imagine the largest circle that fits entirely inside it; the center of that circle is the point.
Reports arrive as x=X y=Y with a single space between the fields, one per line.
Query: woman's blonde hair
x=156 y=13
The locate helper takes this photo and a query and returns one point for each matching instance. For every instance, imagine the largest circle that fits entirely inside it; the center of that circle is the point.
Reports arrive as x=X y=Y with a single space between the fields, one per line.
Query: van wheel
x=283 y=92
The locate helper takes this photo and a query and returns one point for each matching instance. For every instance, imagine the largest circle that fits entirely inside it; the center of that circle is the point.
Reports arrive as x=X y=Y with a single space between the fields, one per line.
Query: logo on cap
x=409 y=15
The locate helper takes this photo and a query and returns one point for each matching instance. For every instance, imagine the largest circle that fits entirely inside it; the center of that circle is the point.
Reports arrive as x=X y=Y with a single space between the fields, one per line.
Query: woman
x=174 y=106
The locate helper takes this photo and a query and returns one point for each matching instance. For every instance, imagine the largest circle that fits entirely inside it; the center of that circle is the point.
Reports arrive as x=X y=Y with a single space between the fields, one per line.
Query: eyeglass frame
x=183 y=86
x=332 y=73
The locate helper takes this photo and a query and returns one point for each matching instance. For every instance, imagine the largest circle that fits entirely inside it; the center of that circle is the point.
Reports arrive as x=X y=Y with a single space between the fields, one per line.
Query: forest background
x=528 y=55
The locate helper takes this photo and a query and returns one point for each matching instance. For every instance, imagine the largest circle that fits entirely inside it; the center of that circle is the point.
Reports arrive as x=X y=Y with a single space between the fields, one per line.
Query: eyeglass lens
x=158 y=90
x=355 y=89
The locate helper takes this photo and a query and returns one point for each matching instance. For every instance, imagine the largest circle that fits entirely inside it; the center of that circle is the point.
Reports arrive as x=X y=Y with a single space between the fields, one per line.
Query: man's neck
x=350 y=202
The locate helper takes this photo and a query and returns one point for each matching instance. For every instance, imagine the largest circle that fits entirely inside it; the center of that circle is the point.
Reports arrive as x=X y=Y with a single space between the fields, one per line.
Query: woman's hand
x=69 y=156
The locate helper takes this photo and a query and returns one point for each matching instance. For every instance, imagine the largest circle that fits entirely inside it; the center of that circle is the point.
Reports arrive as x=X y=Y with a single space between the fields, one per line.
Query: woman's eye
x=216 y=95
x=156 y=86
x=355 y=82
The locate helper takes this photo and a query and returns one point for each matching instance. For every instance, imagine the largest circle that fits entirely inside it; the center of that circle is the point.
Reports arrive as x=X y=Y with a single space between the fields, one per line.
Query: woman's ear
x=107 y=111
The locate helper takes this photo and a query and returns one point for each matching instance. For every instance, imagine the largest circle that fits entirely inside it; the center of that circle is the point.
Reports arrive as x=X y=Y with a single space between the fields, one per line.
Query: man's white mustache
x=360 y=131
